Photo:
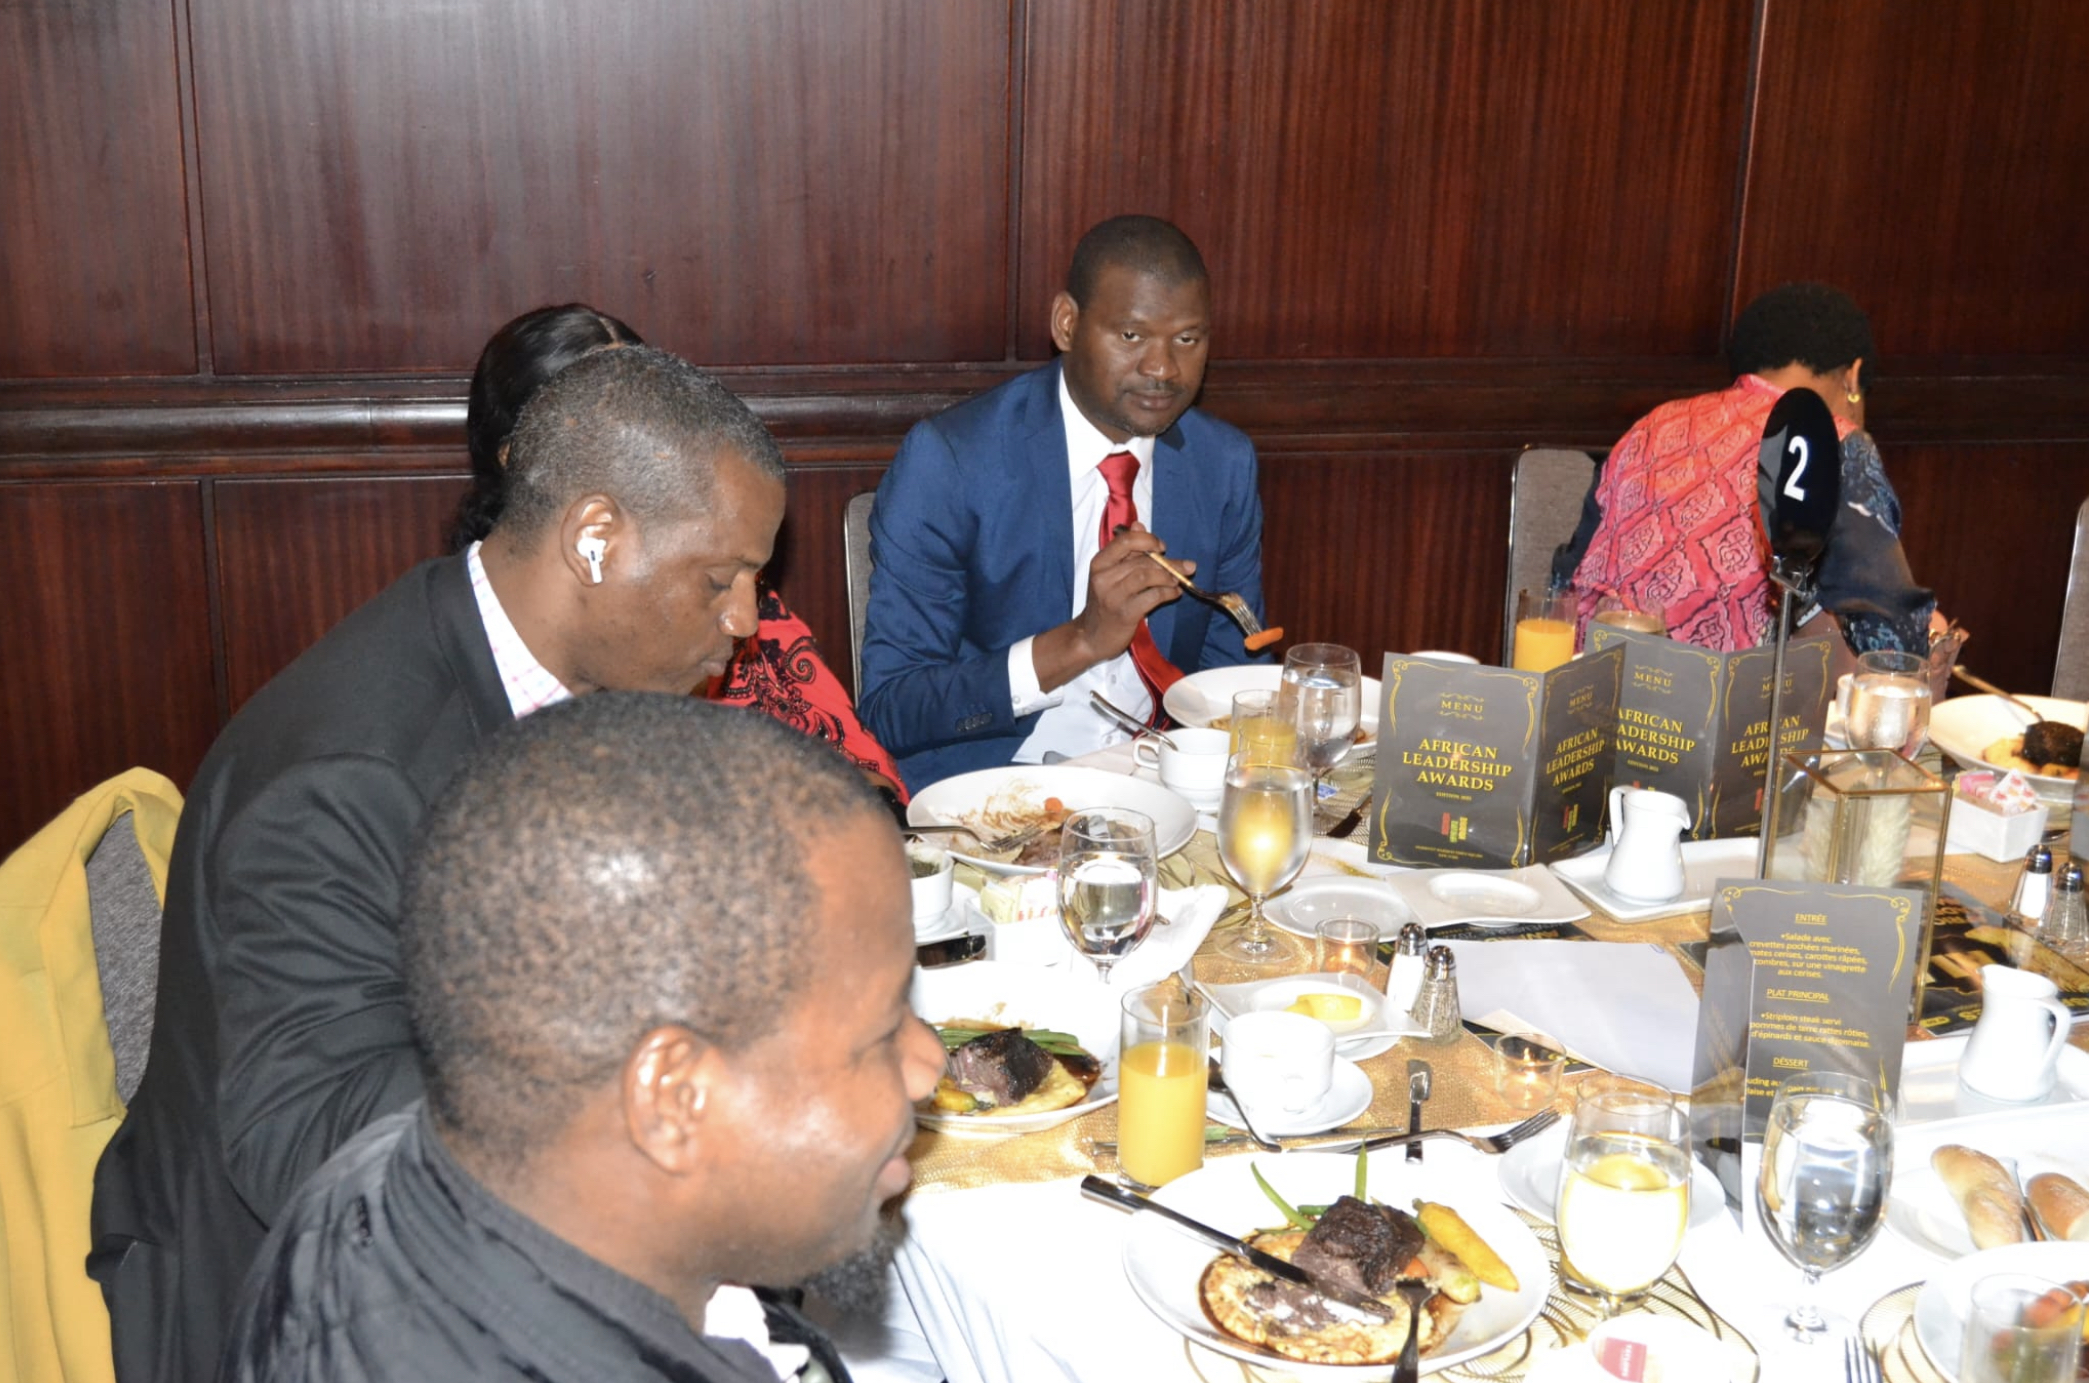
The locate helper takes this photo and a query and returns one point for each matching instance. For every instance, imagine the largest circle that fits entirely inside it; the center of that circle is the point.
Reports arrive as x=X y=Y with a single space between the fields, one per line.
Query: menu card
x=1490 y=768
x=1798 y=977
x=1697 y=723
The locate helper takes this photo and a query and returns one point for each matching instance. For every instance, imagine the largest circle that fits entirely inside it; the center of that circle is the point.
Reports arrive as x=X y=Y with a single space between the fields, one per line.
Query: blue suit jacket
x=972 y=545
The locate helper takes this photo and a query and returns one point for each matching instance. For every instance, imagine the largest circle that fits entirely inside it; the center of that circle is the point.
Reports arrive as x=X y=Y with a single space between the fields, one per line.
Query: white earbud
x=591 y=550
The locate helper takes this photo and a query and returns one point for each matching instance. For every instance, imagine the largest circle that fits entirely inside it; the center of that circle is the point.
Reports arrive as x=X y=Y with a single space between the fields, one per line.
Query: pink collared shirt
x=530 y=686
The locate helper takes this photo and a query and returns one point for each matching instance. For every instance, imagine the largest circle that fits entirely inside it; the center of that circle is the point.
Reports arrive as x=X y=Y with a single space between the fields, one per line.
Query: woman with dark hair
x=1680 y=532
x=779 y=671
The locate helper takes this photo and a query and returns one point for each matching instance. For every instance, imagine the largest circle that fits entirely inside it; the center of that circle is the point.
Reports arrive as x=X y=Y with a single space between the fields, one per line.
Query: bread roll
x=2062 y=1206
x=1986 y=1194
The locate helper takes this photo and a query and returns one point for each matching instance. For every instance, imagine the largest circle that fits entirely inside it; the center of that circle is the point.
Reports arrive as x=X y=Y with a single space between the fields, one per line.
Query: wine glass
x=1265 y=828
x=1827 y=1165
x=1108 y=877
x=1322 y=696
x=1624 y=1197
x=1889 y=702
x=1259 y=727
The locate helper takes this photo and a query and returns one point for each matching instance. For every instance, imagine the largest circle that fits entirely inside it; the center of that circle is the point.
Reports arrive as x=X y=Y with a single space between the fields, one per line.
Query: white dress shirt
x=1069 y=724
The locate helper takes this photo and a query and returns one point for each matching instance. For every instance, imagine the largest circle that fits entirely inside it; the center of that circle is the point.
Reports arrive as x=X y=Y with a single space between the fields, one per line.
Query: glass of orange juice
x=1160 y=1083
x=1544 y=630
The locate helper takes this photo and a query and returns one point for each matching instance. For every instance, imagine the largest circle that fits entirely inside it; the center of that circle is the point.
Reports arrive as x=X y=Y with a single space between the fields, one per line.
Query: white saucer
x=955 y=920
x=1348 y=1095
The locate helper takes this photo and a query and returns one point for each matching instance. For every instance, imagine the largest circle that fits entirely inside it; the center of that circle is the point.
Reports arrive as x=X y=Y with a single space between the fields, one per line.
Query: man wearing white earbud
x=643 y=500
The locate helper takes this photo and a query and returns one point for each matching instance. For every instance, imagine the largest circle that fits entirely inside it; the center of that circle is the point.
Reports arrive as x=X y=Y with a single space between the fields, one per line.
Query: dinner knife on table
x=1110 y=1193
x=1418 y=1078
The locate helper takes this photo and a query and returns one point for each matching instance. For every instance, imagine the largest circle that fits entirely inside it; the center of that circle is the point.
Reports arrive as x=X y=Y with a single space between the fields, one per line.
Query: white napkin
x=1623 y=1005
x=1189 y=913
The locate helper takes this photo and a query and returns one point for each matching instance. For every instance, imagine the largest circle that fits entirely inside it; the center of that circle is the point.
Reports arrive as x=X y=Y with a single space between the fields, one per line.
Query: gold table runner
x=1888 y=1330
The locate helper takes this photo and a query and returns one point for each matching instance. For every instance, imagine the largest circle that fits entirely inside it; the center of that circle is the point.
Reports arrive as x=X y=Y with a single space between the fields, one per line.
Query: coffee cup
x=931 y=870
x=1191 y=762
x=1278 y=1063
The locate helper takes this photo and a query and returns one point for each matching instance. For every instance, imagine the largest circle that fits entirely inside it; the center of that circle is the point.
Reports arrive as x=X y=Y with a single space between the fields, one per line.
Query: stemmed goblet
x=1265 y=829
x=1827 y=1166
x=1108 y=877
x=1321 y=694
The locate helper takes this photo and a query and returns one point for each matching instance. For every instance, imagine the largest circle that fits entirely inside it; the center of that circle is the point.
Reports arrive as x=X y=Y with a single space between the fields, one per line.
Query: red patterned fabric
x=779 y=672
x=1119 y=469
x=1682 y=531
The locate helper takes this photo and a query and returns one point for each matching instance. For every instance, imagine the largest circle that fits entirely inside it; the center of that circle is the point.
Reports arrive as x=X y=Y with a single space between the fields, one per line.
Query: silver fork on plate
x=1492 y=1143
x=1014 y=840
x=1859 y=1364
x=1228 y=601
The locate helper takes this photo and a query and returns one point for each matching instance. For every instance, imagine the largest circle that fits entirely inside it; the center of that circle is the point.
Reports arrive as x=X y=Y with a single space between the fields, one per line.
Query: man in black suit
x=646 y=497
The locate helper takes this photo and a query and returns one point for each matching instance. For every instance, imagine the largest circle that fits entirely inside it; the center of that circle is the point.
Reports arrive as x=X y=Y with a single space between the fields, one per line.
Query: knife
x=1346 y=827
x=1417 y=1092
x=1110 y=1193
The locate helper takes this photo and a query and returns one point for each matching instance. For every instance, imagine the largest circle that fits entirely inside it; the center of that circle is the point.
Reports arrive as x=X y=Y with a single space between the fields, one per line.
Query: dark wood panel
x=1439 y=177
x=1387 y=552
x=794 y=182
x=1991 y=530
x=1929 y=160
x=294 y=556
x=93 y=221
x=104 y=641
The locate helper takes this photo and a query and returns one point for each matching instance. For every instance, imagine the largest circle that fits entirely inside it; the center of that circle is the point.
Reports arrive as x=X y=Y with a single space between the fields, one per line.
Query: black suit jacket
x=281 y=1028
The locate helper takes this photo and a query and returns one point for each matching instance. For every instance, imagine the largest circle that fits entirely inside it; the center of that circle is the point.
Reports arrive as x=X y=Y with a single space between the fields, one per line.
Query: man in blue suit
x=1010 y=536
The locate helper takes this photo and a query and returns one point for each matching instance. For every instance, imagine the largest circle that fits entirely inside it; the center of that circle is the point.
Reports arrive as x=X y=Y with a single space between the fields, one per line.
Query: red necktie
x=1119 y=469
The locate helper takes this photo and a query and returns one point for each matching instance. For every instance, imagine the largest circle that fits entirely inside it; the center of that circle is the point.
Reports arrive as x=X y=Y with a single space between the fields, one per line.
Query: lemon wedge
x=1329 y=1008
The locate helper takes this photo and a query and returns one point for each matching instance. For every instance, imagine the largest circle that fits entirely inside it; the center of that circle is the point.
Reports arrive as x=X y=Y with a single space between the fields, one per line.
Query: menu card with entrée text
x=1696 y=723
x=1490 y=768
x=1798 y=977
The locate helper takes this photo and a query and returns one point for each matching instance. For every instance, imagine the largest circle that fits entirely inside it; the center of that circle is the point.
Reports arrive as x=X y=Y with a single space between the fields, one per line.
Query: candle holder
x=1527 y=1071
x=1867 y=817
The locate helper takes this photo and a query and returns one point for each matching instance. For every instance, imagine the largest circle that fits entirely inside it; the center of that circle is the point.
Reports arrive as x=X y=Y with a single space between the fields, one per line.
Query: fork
x=1230 y=602
x=1493 y=1143
x=1014 y=840
x=1859 y=1364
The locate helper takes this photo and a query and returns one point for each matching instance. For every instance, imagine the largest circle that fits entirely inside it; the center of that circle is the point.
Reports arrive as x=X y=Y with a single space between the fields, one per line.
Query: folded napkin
x=1186 y=917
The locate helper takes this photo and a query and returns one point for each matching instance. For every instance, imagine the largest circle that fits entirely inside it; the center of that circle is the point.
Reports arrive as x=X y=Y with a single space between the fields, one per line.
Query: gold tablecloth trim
x=1888 y=1328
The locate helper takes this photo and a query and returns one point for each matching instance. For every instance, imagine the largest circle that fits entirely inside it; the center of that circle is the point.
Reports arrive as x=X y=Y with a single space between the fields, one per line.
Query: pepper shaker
x=1436 y=1007
x=1403 y=982
x=2033 y=886
x=2065 y=926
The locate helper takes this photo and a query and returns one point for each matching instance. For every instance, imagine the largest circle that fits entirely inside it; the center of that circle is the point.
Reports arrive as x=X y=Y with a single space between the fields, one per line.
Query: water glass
x=1889 y=702
x=1349 y=946
x=1827 y=1167
x=1620 y=613
x=1624 y=1198
x=1322 y=695
x=1161 y=1073
x=2021 y=1329
x=1108 y=878
x=1265 y=830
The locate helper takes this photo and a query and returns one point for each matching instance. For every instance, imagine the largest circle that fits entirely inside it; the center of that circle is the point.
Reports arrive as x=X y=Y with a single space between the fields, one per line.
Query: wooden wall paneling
x=1930 y=161
x=93 y=226
x=296 y=555
x=1387 y=551
x=788 y=183
x=1990 y=528
x=104 y=641
x=1441 y=177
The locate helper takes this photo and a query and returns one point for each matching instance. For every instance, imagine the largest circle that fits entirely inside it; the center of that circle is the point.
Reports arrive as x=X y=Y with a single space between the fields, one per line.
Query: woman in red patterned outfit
x=1680 y=530
x=778 y=671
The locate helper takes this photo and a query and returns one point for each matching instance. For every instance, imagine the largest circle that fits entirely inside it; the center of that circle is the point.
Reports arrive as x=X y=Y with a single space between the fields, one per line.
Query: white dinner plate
x=1301 y=908
x=1203 y=697
x=1165 y=1265
x=1348 y=1095
x=1965 y=726
x=1487 y=898
x=1942 y=1304
x=1025 y=996
x=973 y=798
x=1530 y=1177
x=2040 y=1138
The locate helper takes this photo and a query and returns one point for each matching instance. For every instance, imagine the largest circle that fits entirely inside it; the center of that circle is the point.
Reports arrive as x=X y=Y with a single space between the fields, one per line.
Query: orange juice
x=1160 y=1111
x=1265 y=739
x=1542 y=644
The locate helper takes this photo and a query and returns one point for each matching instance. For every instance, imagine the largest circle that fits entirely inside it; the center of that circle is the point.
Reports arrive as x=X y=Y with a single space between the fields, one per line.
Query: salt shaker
x=1403 y=982
x=1436 y=1007
x=2065 y=926
x=2033 y=887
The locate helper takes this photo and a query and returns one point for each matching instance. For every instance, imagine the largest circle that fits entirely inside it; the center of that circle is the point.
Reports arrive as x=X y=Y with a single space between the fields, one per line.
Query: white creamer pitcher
x=2015 y=1047
x=1646 y=853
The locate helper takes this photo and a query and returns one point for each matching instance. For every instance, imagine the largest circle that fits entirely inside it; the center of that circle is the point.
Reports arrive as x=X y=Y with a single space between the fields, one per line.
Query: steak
x=2049 y=742
x=1361 y=1246
x=1000 y=1067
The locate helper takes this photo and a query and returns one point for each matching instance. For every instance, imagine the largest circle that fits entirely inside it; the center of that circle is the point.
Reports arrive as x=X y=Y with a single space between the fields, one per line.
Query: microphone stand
x=1794 y=578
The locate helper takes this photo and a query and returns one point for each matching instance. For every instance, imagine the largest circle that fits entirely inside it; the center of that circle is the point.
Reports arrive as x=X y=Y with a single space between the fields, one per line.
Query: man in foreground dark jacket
x=646 y=499
x=657 y=956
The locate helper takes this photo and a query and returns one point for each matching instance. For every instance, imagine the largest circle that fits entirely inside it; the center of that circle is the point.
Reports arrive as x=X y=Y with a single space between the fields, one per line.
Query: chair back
x=2071 y=662
x=1545 y=495
x=855 y=556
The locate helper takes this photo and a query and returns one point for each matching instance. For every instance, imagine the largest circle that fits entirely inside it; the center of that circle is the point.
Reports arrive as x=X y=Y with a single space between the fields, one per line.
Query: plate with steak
x=1363 y=1245
x=1024 y=1048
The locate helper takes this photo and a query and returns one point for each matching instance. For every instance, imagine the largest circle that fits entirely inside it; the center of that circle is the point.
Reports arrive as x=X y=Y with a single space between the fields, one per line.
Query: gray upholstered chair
x=125 y=909
x=2071 y=662
x=1545 y=495
x=855 y=554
